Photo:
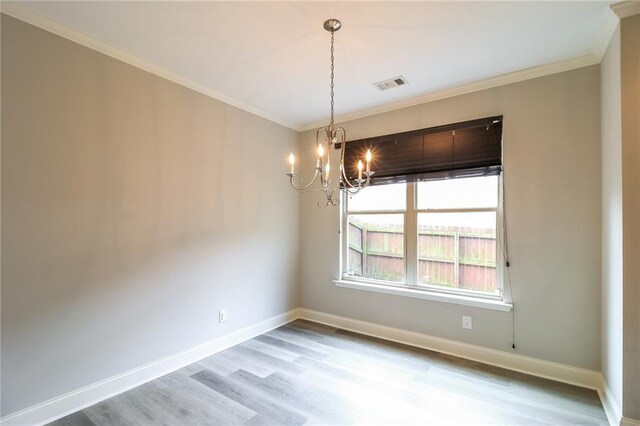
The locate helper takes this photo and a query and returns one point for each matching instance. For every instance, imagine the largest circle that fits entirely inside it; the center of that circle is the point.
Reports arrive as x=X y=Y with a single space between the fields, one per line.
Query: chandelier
x=324 y=143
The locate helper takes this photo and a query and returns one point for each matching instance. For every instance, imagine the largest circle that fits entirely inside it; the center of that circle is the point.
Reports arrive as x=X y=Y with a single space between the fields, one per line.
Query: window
x=438 y=235
x=432 y=219
x=376 y=243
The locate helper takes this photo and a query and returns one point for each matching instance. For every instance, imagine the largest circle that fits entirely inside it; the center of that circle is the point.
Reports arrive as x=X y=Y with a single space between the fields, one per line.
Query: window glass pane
x=479 y=192
x=458 y=250
x=381 y=197
x=376 y=247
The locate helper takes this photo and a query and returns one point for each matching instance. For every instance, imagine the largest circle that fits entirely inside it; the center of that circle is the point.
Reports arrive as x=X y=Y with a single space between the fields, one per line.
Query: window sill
x=496 y=305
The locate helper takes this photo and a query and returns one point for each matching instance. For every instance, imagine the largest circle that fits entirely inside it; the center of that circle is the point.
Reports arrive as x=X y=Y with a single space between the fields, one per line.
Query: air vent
x=391 y=83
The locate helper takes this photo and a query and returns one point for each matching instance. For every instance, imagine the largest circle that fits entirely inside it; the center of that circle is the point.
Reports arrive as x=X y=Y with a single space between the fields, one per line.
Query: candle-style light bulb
x=359 y=169
x=368 y=158
x=292 y=161
x=319 y=159
x=327 y=168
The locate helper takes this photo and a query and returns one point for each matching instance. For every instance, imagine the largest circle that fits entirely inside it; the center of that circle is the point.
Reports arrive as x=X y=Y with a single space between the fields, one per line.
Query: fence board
x=461 y=258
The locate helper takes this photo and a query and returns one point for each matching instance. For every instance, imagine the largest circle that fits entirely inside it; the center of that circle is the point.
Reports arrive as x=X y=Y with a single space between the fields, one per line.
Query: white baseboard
x=78 y=399
x=536 y=367
x=63 y=405
x=549 y=370
x=611 y=407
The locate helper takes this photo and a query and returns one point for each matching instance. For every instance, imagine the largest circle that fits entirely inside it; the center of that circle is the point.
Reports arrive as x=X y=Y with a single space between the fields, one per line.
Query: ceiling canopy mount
x=332 y=25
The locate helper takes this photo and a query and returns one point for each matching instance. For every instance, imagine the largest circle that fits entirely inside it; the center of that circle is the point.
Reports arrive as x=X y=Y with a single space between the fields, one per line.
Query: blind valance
x=470 y=148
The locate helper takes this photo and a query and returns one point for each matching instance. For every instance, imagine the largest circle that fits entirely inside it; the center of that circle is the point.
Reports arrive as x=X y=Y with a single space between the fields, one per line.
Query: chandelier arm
x=337 y=201
x=344 y=174
x=303 y=188
x=328 y=172
x=323 y=182
x=318 y=136
x=349 y=188
x=330 y=200
x=351 y=191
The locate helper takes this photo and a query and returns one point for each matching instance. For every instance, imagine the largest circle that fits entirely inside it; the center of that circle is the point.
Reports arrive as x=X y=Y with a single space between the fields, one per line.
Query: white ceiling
x=273 y=57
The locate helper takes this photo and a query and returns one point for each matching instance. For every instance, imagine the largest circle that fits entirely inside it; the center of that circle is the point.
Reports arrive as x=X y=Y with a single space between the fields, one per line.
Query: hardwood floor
x=307 y=373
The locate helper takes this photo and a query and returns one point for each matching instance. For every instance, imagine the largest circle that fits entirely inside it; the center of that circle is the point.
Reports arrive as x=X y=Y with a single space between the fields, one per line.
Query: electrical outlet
x=222 y=315
x=467 y=322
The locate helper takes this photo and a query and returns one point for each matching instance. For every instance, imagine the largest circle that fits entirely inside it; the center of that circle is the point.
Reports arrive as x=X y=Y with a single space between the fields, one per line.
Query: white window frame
x=410 y=283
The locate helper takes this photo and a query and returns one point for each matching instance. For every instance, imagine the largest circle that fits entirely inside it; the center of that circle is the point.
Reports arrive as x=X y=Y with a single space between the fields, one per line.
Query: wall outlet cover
x=223 y=315
x=467 y=322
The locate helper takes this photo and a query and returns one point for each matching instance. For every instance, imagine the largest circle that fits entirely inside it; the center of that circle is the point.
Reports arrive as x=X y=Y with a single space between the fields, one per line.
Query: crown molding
x=501 y=80
x=25 y=14
x=624 y=9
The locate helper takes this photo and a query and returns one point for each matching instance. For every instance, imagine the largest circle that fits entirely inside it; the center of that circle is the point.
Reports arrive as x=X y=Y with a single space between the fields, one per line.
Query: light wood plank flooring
x=306 y=373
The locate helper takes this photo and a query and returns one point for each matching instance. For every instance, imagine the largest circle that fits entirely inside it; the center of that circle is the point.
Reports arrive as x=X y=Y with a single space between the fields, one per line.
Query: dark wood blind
x=470 y=148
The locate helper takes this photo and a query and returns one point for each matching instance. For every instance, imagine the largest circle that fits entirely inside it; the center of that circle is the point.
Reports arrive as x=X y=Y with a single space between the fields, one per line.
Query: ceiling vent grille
x=391 y=83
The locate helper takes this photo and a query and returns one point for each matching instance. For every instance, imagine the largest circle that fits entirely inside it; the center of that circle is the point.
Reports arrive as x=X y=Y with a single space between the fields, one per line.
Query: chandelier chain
x=332 y=59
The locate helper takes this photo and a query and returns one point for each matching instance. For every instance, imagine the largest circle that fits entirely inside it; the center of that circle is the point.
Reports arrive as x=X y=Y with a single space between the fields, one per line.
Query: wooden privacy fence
x=451 y=257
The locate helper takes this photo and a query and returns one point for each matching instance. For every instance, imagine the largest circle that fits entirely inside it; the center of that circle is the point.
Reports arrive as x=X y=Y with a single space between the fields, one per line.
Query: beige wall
x=630 y=75
x=552 y=177
x=611 y=131
x=130 y=213
x=132 y=209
